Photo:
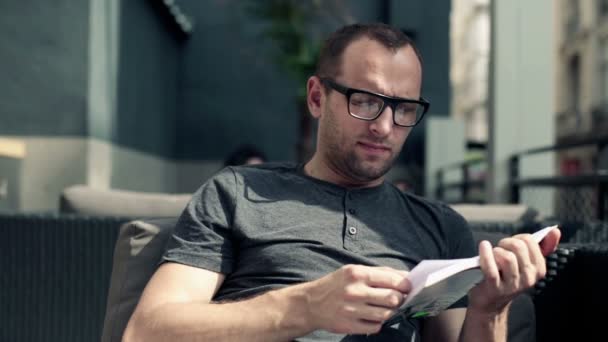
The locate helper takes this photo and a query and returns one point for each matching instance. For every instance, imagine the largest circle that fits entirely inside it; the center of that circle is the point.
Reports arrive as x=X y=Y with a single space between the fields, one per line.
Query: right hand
x=356 y=299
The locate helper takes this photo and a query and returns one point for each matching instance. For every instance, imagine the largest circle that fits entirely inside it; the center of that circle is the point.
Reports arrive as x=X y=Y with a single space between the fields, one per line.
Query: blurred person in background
x=245 y=155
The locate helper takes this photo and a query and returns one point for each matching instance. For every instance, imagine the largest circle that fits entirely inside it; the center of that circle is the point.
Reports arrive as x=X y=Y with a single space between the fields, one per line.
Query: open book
x=437 y=284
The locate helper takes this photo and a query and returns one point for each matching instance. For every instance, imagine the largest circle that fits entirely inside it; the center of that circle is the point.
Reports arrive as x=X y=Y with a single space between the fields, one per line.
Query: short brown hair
x=330 y=57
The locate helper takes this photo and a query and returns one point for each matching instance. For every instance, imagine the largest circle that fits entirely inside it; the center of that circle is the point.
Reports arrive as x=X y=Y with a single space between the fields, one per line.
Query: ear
x=315 y=96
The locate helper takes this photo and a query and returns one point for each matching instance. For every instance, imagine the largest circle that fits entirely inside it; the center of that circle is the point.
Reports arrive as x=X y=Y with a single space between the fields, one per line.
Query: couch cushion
x=138 y=250
x=81 y=199
x=496 y=212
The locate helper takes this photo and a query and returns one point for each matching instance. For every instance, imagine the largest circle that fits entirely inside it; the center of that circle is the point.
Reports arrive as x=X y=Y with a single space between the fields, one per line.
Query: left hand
x=512 y=267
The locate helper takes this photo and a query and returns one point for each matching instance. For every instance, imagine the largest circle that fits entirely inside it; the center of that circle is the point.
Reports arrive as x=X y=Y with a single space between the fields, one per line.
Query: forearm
x=483 y=327
x=274 y=316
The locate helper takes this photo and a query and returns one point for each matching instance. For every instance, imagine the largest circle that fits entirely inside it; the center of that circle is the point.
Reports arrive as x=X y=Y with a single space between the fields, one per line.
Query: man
x=320 y=252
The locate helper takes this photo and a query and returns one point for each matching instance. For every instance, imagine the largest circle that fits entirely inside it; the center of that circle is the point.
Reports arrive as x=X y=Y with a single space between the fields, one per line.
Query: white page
x=437 y=284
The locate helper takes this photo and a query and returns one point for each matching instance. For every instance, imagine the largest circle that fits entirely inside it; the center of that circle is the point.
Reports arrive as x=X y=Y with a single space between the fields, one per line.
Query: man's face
x=363 y=151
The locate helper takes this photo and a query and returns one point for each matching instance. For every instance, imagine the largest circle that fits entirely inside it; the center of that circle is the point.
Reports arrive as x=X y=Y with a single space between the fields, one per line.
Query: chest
x=306 y=239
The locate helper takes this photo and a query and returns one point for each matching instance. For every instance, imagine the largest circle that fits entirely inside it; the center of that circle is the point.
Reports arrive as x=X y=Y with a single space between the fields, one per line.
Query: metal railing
x=596 y=181
x=465 y=186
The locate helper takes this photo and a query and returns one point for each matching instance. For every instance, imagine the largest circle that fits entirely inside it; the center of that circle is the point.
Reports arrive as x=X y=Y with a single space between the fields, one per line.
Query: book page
x=437 y=284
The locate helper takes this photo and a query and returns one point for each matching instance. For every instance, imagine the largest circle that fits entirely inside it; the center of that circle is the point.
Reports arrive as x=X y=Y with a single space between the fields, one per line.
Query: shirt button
x=352 y=211
x=352 y=230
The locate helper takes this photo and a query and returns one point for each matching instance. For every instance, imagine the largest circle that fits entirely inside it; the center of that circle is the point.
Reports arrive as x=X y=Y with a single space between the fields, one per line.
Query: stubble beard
x=347 y=162
x=360 y=171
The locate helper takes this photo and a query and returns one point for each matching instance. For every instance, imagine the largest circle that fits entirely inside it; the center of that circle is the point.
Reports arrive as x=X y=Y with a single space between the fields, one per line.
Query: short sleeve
x=459 y=238
x=203 y=236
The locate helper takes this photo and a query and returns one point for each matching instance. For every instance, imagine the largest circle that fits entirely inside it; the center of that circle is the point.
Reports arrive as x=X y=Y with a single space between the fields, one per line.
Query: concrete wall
x=445 y=145
x=100 y=93
x=148 y=81
x=230 y=91
x=522 y=108
x=44 y=67
x=427 y=22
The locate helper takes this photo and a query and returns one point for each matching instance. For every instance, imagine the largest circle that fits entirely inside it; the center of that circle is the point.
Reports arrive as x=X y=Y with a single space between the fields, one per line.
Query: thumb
x=549 y=244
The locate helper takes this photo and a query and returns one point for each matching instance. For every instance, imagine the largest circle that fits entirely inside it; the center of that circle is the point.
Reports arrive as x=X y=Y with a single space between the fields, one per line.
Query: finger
x=517 y=247
x=386 y=298
x=507 y=265
x=390 y=269
x=361 y=312
x=488 y=264
x=550 y=242
x=534 y=252
x=388 y=279
x=536 y=256
x=374 y=314
x=364 y=327
x=527 y=270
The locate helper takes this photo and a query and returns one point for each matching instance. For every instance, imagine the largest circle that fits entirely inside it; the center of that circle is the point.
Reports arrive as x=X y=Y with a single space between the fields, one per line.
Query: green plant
x=293 y=27
x=287 y=25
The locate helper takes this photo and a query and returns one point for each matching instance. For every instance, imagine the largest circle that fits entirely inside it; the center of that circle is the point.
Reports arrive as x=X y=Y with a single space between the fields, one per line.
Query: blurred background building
x=470 y=58
x=152 y=95
x=581 y=97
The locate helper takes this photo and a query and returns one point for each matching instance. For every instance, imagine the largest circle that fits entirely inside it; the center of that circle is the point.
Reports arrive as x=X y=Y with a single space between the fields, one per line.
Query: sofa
x=56 y=267
x=77 y=275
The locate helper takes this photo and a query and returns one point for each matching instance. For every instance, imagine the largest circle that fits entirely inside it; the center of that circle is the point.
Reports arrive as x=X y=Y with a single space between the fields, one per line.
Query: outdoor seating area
x=313 y=149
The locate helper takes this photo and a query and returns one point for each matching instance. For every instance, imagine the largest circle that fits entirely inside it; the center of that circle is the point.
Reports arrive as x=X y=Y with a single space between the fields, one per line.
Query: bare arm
x=465 y=325
x=444 y=327
x=176 y=306
x=510 y=268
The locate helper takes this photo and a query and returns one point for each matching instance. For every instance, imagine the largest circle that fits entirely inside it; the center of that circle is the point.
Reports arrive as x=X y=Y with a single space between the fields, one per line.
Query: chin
x=370 y=173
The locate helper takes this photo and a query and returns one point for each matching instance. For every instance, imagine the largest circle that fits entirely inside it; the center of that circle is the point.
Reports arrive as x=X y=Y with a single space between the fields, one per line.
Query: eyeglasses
x=368 y=106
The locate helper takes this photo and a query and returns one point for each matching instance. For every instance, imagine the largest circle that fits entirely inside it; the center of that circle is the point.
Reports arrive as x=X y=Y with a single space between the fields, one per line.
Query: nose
x=383 y=125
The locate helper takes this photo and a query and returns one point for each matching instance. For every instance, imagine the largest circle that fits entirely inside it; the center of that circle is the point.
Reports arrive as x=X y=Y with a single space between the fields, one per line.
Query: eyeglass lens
x=367 y=106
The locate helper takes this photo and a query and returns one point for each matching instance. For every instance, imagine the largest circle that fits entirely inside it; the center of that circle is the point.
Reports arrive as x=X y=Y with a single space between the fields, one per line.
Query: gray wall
x=148 y=76
x=101 y=93
x=232 y=92
x=45 y=57
x=43 y=63
x=429 y=20
x=195 y=101
x=428 y=23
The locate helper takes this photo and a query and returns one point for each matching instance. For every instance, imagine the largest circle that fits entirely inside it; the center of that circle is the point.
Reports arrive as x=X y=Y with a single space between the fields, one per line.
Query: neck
x=318 y=168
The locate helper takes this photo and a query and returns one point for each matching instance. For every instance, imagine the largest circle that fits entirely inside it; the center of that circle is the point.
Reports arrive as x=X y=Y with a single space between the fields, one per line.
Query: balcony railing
x=466 y=186
x=596 y=181
x=582 y=196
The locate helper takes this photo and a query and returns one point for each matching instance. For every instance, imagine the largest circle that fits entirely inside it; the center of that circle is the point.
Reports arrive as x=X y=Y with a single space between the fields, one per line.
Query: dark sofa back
x=55 y=273
x=572 y=304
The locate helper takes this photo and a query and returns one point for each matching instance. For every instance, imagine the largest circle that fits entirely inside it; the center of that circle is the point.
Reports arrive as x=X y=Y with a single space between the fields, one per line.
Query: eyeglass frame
x=392 y=101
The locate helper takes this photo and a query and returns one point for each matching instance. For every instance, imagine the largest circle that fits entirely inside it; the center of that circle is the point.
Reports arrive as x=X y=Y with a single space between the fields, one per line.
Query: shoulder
x=266 y=173
x=441 y=218
x=432 y=207
x=277 y=168
x=230 y=175
x=241 y=180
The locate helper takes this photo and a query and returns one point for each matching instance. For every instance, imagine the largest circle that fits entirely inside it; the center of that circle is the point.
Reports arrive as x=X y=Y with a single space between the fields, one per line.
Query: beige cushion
x=137 y=253
x=496 y=212
x=84 y=200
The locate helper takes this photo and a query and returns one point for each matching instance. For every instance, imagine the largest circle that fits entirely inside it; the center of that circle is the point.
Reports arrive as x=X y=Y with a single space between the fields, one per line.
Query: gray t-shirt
x=270 y=226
